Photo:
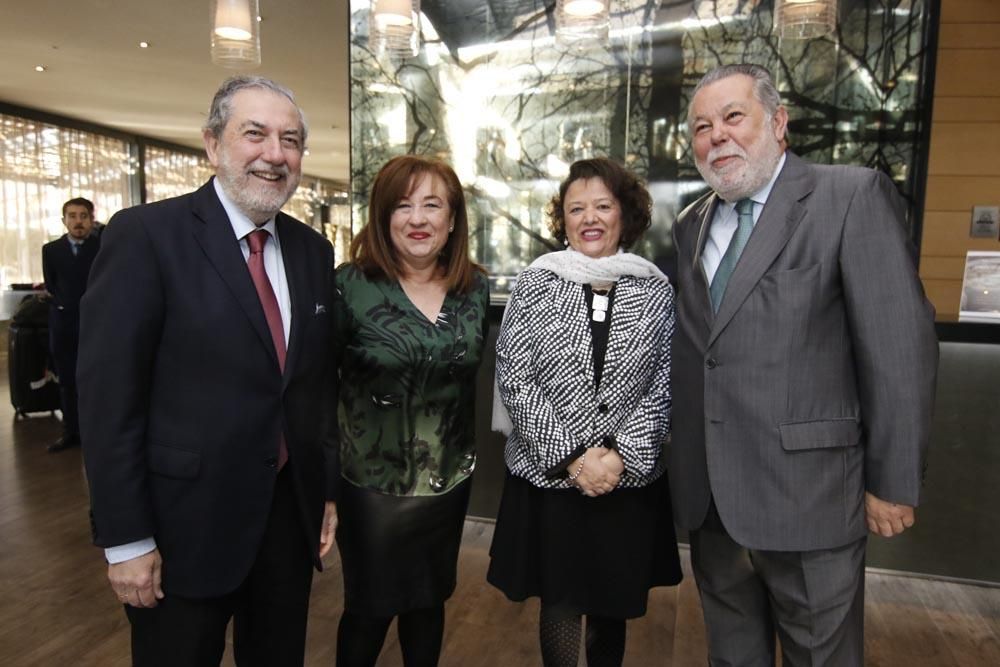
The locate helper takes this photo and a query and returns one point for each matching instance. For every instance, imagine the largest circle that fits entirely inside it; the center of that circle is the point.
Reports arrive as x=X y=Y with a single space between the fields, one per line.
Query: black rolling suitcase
x=33 y=385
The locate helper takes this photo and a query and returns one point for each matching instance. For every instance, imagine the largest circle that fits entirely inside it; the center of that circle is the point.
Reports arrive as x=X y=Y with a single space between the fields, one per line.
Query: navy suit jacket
x=181 y=396
x=66 y=273
x=66 y=280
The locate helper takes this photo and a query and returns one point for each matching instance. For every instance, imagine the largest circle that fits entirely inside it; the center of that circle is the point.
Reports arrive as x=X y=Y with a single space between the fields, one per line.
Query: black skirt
x=398 y=553
x=600 y=555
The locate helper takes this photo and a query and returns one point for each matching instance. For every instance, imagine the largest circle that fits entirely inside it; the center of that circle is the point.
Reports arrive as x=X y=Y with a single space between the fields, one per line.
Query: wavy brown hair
x=631 y=193
x=372 y=249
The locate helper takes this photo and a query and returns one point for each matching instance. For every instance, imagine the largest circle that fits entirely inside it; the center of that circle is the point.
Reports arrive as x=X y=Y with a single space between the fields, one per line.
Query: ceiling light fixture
x=584 y=7
x=143 y=45
x=582 y=19
x=235 y=36
x=804 y=19
x=40 y=68
x=395 y=27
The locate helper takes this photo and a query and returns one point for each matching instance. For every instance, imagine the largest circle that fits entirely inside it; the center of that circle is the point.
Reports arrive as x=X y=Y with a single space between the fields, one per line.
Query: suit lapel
x=214 y=233
x=629 y=302
x=65 y=252
x=293 y=253
x=568 y=302
x=777 y=222
x=704 y=214
x=89 y=249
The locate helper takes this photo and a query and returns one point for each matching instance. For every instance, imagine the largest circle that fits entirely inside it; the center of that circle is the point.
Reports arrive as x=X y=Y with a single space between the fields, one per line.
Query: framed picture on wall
x=981 y=287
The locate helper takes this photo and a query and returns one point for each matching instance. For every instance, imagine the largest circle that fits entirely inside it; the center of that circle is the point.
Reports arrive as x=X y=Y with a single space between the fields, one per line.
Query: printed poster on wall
x=981 y=287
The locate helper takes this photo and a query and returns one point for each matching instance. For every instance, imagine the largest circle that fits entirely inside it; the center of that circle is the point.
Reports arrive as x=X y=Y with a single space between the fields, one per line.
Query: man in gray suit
x=804 y=368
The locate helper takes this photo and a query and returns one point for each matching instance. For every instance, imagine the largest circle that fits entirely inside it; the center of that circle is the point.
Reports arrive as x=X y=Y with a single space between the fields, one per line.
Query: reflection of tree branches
x=511 y=219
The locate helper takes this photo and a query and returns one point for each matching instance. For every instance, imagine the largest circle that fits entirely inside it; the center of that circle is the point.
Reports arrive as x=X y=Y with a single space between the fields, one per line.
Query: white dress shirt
x=725 y=221
x=274 y=265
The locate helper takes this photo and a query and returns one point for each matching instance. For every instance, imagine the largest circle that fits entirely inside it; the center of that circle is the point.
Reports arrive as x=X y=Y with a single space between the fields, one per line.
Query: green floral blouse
x=407 y=385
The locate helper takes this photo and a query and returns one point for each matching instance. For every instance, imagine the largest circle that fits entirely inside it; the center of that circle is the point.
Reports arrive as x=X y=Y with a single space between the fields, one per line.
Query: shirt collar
x=242 y=225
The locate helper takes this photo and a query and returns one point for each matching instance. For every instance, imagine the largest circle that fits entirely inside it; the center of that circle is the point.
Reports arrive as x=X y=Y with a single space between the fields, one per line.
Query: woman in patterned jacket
x=410 y=316
x=583 y=370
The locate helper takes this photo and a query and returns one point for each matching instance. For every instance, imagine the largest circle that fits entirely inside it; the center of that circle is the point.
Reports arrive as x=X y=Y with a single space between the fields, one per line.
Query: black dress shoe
x=65 y=442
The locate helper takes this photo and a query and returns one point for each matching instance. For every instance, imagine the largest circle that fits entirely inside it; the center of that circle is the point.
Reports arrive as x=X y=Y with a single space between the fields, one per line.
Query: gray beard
x=259 y=207
x=762 y=158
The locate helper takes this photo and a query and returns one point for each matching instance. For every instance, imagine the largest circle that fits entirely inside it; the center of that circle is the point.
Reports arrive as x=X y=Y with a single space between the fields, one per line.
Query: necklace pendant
x=599 y=307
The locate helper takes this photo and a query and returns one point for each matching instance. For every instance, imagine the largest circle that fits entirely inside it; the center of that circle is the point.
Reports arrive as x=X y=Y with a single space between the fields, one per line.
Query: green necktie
x=744 y=225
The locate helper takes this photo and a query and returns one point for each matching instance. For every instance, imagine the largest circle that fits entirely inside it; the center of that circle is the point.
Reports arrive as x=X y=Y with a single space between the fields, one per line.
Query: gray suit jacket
x=815 y=380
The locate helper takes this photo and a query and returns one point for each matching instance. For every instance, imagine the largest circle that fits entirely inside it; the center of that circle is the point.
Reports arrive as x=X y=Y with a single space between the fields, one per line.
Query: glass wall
x=171 y=173
x=317 y=202
x=498 y=94
x=41 y=166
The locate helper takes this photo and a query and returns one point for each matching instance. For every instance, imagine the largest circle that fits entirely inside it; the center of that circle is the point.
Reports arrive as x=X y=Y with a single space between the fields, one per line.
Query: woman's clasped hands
x=600 y=470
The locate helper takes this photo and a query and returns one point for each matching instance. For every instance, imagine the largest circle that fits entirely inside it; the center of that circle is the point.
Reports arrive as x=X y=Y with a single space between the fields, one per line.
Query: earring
x=566 y=242
x=451 y=229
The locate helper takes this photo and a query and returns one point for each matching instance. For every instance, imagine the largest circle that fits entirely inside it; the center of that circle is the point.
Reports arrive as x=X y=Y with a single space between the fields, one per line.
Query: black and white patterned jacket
x=545 y=374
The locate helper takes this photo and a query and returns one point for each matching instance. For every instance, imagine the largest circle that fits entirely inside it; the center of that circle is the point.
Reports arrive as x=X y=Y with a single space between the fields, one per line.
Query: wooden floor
x=56 y=608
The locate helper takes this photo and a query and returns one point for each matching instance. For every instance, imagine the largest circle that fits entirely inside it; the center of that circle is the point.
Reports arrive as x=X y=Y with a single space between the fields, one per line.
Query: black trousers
x=269 y=609
x=64 y=339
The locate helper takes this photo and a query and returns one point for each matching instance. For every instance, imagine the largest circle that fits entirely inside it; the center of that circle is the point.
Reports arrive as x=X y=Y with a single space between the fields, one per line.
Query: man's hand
x=137 y=582
x=328 y=529
x=885 y=518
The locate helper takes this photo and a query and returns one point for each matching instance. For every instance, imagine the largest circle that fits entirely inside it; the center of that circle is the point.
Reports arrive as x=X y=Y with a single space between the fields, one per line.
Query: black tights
x=559 y=634
x=360 y=638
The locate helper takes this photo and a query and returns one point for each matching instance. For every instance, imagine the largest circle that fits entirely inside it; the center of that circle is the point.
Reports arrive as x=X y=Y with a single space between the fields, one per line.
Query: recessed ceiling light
x=40 y=68
x=143 y=45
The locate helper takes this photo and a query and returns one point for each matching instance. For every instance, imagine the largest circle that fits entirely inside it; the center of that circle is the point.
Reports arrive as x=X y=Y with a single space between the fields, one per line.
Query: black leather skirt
x=399 y=553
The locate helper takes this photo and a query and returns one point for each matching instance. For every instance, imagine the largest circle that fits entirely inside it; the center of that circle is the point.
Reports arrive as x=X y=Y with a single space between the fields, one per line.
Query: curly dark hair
x=631 y=193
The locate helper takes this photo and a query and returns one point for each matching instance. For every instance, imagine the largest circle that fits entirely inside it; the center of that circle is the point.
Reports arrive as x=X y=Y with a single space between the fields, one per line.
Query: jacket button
x=710 y=363
x=602 y=408
x=271 y=462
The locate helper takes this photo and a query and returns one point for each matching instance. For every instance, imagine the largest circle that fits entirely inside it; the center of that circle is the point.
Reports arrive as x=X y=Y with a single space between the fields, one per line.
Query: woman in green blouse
x=410 y=314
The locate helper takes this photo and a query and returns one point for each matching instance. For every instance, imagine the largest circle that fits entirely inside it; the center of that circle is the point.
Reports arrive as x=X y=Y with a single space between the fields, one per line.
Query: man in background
x=206 y=383
x=66 y=264
x=804 y=370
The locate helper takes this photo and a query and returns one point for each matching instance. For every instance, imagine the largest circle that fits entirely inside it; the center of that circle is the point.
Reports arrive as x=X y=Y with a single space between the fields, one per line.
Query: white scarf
x=577 y=268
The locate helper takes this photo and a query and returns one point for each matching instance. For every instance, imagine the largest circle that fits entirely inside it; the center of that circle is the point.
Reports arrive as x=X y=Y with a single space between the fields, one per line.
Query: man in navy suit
x=205 y=378
x=66 y=264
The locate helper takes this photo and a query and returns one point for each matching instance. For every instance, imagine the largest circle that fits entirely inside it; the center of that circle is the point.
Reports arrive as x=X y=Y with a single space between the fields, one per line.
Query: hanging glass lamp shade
x=582 y=19
x=804 y=19
x=395 y=27
x=235 y=36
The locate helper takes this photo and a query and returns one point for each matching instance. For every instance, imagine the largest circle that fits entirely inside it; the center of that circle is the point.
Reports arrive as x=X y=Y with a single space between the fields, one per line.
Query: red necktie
x=272 y=313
